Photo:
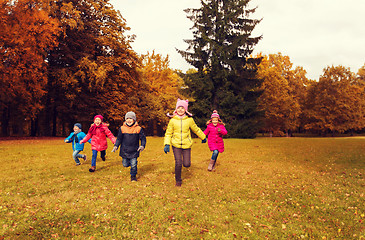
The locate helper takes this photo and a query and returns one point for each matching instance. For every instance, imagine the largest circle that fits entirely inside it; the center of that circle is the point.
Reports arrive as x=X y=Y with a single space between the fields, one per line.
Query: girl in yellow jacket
x=178 y=135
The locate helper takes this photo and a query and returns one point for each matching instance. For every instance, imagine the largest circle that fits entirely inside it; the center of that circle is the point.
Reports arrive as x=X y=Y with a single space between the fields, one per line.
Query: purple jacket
x=215 y=140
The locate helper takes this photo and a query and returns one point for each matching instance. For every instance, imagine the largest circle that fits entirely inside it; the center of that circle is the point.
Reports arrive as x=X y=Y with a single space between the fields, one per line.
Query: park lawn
x=263 y=188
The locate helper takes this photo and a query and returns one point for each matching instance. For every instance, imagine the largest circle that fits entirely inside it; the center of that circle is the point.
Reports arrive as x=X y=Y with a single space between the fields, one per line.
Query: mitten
x=166 y=149
x=141 y=148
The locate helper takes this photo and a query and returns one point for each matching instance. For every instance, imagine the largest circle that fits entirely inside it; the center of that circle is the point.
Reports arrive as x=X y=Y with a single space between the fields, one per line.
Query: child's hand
x=205 y=140
x=141 y=148
x=166 y=149
x=66 y=141
x=114 y=149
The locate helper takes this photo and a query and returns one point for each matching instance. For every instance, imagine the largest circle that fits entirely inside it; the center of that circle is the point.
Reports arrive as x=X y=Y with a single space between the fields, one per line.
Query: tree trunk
x=5 y=122
x=34 y=127
x=54 y=121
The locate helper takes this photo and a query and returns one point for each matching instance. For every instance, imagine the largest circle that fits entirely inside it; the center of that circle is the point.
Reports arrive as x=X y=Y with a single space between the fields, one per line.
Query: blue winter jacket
x=77 y=145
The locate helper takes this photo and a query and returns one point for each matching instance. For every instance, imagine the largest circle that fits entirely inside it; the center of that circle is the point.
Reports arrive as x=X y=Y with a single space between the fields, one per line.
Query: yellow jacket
x=178 y=132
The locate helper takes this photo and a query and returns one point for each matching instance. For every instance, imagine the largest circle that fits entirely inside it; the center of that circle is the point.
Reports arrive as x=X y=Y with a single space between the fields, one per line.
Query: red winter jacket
x=215 y=139
x=98 y=140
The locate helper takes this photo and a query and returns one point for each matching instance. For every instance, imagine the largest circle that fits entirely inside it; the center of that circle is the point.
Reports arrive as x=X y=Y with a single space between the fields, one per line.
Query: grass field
x=264 y=188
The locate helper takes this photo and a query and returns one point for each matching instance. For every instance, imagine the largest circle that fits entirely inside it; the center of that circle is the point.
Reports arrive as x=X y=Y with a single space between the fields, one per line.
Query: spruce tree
x=226 y=74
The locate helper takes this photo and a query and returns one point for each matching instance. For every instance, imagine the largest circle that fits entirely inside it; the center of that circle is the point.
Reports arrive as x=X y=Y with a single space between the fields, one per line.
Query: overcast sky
x=313 y=33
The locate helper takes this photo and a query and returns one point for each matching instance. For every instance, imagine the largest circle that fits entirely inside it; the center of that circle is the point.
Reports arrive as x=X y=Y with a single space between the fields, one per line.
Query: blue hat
x=78 y=125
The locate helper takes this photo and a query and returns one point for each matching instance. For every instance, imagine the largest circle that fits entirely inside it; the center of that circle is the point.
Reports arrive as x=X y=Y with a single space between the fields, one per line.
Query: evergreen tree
x=226 y=76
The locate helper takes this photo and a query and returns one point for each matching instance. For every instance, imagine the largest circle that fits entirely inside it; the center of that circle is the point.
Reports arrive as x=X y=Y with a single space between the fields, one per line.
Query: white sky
x=313 y=33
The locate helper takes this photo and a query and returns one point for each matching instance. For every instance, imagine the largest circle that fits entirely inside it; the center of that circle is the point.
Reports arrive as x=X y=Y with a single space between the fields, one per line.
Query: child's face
x=97 y=121
x=129 y=121
x=215 y=121
x=180 y=111
x=76 y=128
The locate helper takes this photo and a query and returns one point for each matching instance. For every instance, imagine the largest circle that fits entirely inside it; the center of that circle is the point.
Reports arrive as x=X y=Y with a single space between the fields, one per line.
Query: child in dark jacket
x=129 y=137
x=75 y=138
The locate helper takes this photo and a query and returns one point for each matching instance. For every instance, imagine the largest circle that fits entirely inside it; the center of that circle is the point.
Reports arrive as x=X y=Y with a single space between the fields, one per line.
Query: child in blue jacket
x=75 y=138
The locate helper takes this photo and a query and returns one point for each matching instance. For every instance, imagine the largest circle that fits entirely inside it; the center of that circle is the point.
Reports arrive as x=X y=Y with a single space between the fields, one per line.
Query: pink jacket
x=215 y=139
x=98 y=140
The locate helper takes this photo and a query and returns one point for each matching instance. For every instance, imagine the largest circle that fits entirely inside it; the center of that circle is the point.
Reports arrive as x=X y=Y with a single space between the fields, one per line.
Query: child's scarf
x=74 y=136
x=93 y=128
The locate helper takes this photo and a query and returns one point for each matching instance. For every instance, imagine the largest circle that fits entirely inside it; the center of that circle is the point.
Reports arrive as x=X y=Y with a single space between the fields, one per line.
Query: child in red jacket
x=215 y=132
x=98 y=133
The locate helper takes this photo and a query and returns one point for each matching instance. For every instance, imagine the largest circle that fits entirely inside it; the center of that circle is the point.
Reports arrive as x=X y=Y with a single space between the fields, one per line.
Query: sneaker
x=178 y=184
x=103 y=158
x=77 y=164
x=84 y=157
x=92 y=169
x=133 y=178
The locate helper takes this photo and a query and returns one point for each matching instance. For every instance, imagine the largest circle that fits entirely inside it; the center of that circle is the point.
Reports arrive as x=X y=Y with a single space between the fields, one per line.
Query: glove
x=166 y=149
x=141 y=148
x=205 y=140
x=114 y=149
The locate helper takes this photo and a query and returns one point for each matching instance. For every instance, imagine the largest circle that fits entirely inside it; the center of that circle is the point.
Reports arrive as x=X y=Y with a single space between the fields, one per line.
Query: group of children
x=132 y=140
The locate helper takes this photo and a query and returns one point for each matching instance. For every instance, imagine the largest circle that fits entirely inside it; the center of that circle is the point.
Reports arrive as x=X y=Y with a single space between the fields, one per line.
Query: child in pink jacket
x=98 y=133
x=215 y=132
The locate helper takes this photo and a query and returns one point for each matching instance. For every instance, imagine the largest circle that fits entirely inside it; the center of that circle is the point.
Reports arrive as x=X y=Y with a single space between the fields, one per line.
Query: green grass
x=264 y=188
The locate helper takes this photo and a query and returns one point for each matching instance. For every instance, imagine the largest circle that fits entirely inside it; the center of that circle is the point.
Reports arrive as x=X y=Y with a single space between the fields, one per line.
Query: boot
x=215 y=162
x=211 y=164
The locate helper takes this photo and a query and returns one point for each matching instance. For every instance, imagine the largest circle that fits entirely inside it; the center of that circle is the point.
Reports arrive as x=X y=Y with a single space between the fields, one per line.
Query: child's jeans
x=182 y=157
x=95 y=154
x=215 y=155
x=131 y=162
x=76 y=156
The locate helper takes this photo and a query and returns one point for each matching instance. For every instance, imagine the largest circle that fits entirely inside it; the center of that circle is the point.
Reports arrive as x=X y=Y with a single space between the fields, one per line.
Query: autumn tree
x=26 y=33
x=226 y=76
x=283 y=93
x=160 y=91
x=334 y=104
x=94 y=69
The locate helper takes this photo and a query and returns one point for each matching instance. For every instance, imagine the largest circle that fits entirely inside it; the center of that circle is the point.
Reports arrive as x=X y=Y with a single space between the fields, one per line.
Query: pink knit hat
x=99 y=116
x=184 y=104
x=215 y=114
x=181 y=103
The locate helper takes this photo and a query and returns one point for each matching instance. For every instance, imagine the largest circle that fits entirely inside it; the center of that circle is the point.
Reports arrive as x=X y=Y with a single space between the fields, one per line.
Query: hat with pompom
x=181 y=103
x=215 y=114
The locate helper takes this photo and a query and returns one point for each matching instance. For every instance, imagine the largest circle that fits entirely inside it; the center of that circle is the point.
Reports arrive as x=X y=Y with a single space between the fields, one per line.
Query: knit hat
x=99 y=116
x=215 y=114
x=78 y=125
x=131 y=115
x=184 y=104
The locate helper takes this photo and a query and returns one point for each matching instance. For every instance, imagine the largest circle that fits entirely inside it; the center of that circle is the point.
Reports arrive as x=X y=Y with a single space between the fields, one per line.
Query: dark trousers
x=182 y=157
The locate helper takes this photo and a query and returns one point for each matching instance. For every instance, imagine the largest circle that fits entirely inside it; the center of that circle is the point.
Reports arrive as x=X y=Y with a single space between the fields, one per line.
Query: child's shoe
x=77 y=164
x=178 y=183
x=103 y=158
x=133 y=178
x=84 y=157
x=211 y=165
x=92 y=169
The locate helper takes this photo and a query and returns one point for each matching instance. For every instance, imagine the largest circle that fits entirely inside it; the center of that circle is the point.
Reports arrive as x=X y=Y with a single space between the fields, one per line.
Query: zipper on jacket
x=181 y=133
